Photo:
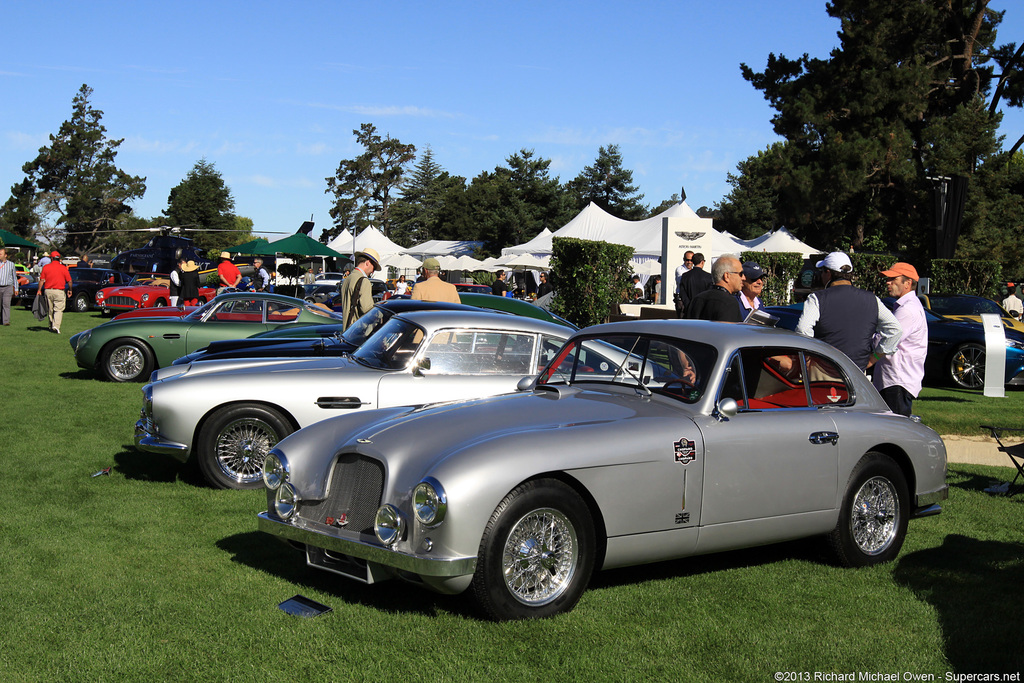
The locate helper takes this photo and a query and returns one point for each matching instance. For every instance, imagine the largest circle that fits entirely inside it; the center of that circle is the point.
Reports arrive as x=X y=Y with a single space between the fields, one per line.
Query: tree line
x=906 y=106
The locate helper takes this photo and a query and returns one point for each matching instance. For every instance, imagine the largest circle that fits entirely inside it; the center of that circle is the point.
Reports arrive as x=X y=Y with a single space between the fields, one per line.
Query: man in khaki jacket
x=356 y=290
x=434 y=288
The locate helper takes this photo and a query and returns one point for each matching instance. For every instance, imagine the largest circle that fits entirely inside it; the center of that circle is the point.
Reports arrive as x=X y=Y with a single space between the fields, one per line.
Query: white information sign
x=995 y=355
x=677 y=238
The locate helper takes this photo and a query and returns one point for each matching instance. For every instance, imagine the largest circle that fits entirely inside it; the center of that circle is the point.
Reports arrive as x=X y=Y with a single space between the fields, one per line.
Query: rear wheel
x=967 y=366
x=537 y=553
x=873 y=519
x=126 y=360
x=81 y=302
x=160 y=303
x=234 y=442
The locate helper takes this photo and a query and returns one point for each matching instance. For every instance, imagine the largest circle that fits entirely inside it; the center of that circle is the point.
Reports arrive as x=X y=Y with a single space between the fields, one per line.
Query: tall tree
x=203 y=202
x=77 y=180
x=609 y=185
x=364 y=187
x=18 y=214
x=865 y=129
x=415 y=215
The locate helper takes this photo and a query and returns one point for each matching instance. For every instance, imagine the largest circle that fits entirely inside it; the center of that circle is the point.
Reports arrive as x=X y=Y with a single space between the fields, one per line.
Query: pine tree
x=609 y=185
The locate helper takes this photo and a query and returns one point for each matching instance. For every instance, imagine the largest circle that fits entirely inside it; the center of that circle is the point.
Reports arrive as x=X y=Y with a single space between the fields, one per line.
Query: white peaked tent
x=781 y=240
x=369 y=237
x=444 y=248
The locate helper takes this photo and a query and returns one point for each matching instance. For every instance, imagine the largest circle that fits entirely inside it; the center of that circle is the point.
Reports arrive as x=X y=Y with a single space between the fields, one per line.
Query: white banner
x=995 y=355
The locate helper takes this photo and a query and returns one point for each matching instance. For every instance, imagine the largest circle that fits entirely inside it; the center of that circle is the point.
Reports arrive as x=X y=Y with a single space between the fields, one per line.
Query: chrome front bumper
x=148 y=439
x=329 y=539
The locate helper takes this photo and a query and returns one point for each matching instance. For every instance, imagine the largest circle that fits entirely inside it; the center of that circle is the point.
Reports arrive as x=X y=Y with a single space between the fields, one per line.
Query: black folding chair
x=1015 y=452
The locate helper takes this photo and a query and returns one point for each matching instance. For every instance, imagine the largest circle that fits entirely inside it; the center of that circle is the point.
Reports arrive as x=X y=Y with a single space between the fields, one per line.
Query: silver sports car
x=228 y=414
x=639 y=442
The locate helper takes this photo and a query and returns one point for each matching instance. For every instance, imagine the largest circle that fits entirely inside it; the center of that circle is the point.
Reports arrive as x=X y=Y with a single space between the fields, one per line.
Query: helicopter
x=162 y=252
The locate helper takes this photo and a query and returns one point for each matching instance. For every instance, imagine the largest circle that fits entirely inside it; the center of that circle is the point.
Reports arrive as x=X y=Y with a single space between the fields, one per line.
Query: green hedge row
x=591 y=278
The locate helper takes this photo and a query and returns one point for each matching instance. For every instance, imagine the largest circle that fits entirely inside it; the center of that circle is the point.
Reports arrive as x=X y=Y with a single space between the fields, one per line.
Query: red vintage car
x=149 y=290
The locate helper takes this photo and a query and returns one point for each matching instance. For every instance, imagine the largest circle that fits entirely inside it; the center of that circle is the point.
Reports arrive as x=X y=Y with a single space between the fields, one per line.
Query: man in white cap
x=847 y=317
x=356 y=290
x=432 y=287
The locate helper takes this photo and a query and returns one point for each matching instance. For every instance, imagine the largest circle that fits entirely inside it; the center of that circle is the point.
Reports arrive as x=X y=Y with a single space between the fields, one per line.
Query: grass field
x=146 y=575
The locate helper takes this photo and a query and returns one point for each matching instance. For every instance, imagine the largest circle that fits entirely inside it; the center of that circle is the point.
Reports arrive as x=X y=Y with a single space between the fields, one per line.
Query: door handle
x=824 y=437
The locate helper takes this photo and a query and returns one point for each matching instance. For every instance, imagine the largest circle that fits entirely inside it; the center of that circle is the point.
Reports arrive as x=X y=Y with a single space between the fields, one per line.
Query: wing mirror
x=421 y=365
x=525 y=384
x=726 y=409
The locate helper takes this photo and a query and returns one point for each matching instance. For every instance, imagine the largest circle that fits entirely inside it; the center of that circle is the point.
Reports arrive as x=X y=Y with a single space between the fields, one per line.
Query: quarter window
x=774 y=378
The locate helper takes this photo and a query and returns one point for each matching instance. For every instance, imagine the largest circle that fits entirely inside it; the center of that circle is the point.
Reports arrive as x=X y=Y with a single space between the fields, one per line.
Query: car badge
x=363 y=441
x=833 y=395
x=685 y=451
x=339 y=521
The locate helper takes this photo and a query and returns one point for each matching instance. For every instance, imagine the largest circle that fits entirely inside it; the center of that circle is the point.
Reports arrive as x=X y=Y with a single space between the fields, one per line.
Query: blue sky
x=269 y=92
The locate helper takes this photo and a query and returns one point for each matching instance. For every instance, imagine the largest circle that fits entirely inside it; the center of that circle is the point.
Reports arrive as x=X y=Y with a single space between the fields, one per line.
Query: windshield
x=964 y=306
x=673 y=367
x=391 y=347
x=361 y=329
x=200 y=312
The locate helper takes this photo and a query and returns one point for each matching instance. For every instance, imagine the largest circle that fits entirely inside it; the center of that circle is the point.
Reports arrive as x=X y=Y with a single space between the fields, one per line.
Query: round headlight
x=388 y=524
x=99 y=295
x=429 y=502
x=275 y=471
x=145 y=298
x=284 y=501
x=83 y=339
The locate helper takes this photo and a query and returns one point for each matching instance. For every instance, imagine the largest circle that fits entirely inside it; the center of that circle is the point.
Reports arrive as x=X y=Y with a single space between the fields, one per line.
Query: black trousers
x=898 y=399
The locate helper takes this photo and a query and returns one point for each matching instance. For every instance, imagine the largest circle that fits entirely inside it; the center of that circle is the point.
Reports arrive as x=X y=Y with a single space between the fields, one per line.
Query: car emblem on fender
x=685 y=451
x=833 y=396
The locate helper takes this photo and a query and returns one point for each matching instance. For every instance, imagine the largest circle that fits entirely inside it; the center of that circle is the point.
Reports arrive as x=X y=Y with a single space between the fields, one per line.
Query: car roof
x=476 y=317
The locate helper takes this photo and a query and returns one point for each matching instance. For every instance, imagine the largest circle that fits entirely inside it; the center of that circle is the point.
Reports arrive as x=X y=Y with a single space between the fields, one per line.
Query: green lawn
x=146 y=575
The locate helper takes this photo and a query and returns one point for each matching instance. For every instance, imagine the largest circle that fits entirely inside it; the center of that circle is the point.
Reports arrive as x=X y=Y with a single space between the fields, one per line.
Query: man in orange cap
x=898 y=376
x=55 y=285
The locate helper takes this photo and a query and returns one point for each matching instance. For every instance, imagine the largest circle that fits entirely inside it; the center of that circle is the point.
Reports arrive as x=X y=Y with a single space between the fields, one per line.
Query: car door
x=235 y=318
x=779 y=455
x=460 y=364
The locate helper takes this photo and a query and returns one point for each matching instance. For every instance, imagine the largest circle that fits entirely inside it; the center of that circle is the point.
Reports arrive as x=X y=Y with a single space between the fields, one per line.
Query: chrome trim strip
x=926 y=512
x=416 y=564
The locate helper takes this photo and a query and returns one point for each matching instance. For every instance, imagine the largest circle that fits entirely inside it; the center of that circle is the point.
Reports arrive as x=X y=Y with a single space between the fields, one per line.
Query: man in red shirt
x=55 y=285
x=229 y=274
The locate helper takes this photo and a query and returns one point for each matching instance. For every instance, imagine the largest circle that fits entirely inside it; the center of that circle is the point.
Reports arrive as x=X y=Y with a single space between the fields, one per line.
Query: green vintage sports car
x=129 y=350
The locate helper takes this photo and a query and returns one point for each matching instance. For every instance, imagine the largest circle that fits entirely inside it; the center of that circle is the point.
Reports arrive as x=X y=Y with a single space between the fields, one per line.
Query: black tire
x=126 y=360
x=234 y=441
x=160 y=303
x=201 y=300
x=874 y=514
x=523 y=569
x=967 y=366
x=81 y=302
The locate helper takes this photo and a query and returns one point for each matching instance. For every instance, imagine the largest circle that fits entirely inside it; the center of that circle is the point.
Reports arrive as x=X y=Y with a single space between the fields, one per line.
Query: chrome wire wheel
x=126 y=363
x=875 y=516
x=241 y=446
x=540 y=557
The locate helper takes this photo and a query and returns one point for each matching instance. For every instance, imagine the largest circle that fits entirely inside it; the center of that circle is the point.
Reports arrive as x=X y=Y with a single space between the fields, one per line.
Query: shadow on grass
x=974 y=587
x=258 y=550
x=972 y=481
x=142 y=466
x=940 y=399
x=80 y=374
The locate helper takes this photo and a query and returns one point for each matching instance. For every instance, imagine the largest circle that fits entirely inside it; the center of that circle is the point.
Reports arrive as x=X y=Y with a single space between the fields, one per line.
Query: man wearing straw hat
x=356 y=290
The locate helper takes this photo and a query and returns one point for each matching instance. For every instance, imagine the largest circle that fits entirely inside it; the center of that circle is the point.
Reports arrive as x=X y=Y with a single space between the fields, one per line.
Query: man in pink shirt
x=55 y=285
x=898 y=376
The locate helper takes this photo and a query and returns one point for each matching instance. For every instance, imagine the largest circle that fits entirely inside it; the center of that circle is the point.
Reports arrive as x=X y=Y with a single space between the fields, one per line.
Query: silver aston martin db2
x=228 y=414
x=639 y=442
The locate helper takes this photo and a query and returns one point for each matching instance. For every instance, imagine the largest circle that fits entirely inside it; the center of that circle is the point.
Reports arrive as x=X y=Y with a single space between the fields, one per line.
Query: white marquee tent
x=369 y=237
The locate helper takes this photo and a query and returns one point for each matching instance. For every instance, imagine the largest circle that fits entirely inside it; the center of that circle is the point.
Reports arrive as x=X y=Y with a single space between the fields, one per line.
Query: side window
x=766 y=379
x=732 y=387
x=477 y=352
x=549 y=347
x=827 y=383
x=278 y=312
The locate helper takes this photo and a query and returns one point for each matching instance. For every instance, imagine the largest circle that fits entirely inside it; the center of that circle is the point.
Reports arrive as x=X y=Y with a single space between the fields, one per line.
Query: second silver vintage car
x=228 y=414
x=640 y=442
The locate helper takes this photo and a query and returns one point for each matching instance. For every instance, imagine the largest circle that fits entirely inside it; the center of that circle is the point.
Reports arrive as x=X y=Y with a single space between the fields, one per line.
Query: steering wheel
x=681 y=383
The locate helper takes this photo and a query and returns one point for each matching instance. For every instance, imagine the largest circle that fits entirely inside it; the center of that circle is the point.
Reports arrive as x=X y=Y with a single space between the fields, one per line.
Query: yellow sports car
x=968 y=307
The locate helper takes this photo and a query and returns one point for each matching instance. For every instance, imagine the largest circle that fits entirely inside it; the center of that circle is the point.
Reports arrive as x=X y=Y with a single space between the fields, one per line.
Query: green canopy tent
x=297 y=246
x=9 y=239
x=249 y=246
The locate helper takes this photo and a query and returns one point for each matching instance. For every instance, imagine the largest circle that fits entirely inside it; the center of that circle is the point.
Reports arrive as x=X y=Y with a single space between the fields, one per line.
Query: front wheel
x=967 y=366
x=81 y=302
x=126 y=360
x=873 y=519
x=234 y=442
x=537 y=553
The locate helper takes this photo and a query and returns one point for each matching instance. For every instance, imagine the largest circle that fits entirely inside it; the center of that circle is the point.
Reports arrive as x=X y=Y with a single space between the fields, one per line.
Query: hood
x=262 y=366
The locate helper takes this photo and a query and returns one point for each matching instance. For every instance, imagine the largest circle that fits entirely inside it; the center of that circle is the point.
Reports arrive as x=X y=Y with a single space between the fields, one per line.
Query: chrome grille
x=357 y=484
x=124 y=301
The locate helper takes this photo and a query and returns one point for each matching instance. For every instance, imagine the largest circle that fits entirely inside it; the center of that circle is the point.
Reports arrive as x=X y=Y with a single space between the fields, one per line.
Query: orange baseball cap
x=901 y=268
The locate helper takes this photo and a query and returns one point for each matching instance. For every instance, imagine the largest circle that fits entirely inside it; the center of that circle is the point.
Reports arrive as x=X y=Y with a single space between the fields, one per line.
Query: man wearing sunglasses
x=719 y=302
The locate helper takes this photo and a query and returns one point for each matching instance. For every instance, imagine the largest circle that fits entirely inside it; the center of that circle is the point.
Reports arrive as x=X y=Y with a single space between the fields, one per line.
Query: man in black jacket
x=719 y=301
x=692 y=283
